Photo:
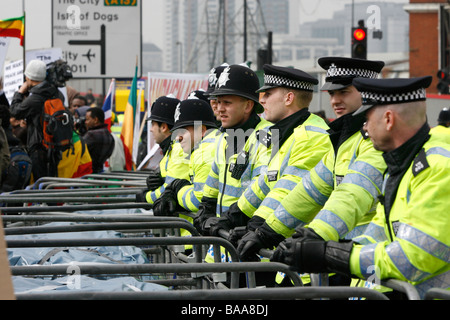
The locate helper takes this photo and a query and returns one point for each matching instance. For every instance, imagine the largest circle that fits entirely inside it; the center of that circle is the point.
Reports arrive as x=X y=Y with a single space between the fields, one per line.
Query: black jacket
x=31 y=109
x=100 y=144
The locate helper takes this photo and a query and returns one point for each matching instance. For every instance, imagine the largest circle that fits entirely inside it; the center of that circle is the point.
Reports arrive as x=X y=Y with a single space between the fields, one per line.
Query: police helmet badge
x=224 y=78
x=177 y=113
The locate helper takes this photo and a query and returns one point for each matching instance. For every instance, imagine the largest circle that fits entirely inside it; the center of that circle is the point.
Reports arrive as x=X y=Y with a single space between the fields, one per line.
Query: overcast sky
x=39 y=19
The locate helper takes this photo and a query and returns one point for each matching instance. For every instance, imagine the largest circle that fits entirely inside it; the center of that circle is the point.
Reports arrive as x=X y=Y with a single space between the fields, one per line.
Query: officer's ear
x=164 y=127
x=249 y=106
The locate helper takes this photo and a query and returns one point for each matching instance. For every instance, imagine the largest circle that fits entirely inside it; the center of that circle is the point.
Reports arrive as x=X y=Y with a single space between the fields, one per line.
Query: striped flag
x=13 y=28
x=129 y=123
x=109 y=103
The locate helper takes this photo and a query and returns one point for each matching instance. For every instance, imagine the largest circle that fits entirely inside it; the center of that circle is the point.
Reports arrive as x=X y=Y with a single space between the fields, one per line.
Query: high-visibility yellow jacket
x=412 y=244
x=190 y=196
x=340 y=193
x=252 y=158
x=174 y=165
x=298 y=154
x=442 y=130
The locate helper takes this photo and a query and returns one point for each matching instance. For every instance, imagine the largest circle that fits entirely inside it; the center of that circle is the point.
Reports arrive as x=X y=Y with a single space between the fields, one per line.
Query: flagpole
x=24 y=36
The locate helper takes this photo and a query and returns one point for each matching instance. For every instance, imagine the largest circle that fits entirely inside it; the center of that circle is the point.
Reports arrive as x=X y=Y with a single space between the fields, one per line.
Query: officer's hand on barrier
x=140 y=196
x=154 y=180
x=215 y=224
x=314 y=256
x=165 y=205
x=249 y=246
x=207 y=209
x=236 y=234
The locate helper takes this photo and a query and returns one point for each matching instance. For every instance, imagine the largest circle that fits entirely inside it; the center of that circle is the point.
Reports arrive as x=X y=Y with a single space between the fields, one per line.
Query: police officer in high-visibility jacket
x=195 y=130
x=408 y=238
x=443 y=125
x=342 y=189
x=240 y=157
x=173 y=164
x=300 y=140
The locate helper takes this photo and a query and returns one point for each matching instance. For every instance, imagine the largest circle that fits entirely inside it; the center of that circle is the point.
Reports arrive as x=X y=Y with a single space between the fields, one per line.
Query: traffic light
x=359 y=41
x=444 y=81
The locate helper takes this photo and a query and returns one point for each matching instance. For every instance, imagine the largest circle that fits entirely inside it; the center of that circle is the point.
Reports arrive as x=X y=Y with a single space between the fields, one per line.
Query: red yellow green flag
x=14 y=28
x=129 y=122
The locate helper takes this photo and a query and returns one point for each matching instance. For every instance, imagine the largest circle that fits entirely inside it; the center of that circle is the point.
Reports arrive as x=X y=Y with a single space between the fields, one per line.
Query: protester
x=27 y=104
x=98 y=138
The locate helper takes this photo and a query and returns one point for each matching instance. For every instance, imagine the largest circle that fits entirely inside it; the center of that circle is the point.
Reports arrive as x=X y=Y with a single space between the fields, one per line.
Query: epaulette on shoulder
x=420 y=163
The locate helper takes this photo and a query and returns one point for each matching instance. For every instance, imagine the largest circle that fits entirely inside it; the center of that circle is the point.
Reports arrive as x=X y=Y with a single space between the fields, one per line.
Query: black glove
x=140 y=196
x=255 y=222
x=207 y=209
x=253 y=241
x=230 y=219
x=154 y=180
x=309 y=255
x=167 y=203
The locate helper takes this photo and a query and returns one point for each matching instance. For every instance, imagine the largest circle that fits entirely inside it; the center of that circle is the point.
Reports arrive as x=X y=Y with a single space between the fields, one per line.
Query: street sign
x=98 y=38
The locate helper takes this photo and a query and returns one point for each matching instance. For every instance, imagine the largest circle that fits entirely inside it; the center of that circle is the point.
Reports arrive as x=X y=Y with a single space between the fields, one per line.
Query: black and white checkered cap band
x=273 y=80
x=382 y=98
x=334 y=72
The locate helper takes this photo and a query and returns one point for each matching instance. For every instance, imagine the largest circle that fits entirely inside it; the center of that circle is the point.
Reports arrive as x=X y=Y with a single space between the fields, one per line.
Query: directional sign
x=99 y=38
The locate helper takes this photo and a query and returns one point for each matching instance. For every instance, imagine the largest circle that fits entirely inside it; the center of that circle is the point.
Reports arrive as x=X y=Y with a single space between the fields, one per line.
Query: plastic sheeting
x=33 y=256
x=83 y=284
x=78 y=256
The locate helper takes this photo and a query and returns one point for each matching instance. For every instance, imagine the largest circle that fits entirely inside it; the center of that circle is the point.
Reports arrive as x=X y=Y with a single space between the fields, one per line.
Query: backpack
x=18 y=174
x=58 y=125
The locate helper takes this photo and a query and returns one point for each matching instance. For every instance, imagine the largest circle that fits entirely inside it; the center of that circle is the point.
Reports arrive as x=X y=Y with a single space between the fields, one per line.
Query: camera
x=58 y=72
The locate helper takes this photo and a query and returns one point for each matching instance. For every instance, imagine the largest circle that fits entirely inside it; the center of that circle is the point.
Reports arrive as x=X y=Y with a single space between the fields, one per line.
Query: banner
x=162 y=84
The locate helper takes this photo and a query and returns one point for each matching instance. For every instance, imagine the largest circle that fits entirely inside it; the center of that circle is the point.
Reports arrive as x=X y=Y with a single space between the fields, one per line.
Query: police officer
x=300 y=141
x=408 y=238
x=173 y=164
x=195 y=131
x=239 y=157
x=213 y=77
x=341 y=190
x=443 y=126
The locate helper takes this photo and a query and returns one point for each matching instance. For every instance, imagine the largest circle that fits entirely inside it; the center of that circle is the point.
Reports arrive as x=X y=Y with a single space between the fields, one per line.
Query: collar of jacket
x=166 y=144
x=400 y=159
x=344 y=127
x=286 y=126
x=251 y=123
x=236 y=146
x=100 y=126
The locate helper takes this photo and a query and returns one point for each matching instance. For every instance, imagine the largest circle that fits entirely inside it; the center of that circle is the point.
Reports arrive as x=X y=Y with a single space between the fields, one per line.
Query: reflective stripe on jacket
x=220 y=184
x=414 y=244
x=189 y=197
x=298 y=154
x=173 y=165
x=340 y=192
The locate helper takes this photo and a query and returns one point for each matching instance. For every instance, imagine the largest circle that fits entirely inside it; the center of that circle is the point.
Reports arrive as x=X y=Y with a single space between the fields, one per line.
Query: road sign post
x=98 y=38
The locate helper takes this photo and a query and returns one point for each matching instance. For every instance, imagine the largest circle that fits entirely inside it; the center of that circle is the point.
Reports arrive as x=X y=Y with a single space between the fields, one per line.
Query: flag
x=13 y=28
x=109 y=102
x=129 y=123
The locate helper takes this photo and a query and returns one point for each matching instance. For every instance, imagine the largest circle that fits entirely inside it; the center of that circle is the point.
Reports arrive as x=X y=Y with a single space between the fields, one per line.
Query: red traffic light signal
x=359 y=34
x=359 y=42
x=444 y=81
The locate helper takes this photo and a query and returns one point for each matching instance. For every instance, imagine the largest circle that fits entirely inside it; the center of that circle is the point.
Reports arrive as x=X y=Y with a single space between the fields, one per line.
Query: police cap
x=198 y=94
x=342 y=70
x=377 y=92
x=163 y=109
x=239 y=80
x=275 y=76
x=213 y=77
x=444 y=116
x=191 y=111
